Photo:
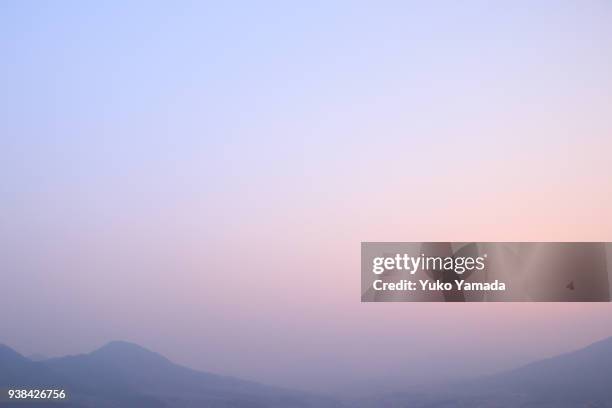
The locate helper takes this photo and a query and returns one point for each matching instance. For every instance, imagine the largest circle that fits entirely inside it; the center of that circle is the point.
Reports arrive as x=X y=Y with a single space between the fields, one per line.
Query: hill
x=126 y=375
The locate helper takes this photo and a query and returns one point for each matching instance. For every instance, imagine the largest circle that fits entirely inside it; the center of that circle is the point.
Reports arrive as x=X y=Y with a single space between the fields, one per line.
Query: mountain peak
x=126 y=352
x=120 y=345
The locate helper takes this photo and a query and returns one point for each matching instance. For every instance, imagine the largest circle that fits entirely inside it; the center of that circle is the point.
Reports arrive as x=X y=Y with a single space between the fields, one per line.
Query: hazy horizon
x=197 y=178
x=366 y=386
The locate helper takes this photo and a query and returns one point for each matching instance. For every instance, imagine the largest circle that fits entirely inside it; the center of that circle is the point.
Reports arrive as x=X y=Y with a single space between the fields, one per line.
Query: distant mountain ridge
x=122 y=374
x=10 y=356
x=581 y=378
x=582 y=375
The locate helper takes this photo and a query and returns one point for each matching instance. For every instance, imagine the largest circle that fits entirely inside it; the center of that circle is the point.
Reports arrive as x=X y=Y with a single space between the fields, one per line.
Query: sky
x=196 y=177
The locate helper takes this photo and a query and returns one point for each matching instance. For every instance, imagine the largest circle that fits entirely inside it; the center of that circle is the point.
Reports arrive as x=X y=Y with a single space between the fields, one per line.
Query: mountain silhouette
x=581 y=378
x=10 y=357
x=16 y=370
x=122 y=374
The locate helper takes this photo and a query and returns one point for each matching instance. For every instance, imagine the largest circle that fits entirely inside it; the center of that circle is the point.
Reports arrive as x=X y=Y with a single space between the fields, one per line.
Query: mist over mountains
x=126 y=375
x=581 y=378
x=122 y=375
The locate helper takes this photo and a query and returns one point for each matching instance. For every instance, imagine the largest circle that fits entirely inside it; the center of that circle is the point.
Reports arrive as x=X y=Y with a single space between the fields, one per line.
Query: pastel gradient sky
x=197 y=177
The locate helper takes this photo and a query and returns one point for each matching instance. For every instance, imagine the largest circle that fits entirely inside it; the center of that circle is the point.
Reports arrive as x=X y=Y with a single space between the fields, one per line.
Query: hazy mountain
x=10 y=357
x=581 y=378
x=126 y=375
x=16 y=370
